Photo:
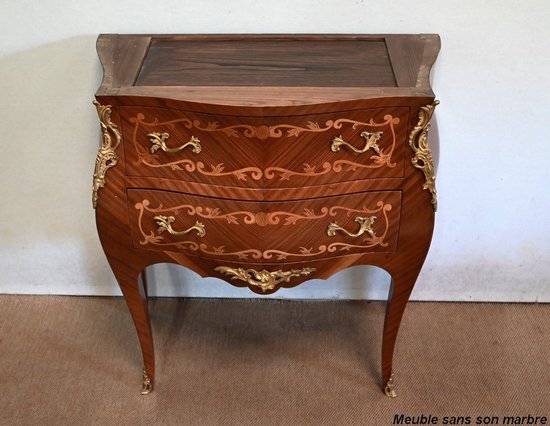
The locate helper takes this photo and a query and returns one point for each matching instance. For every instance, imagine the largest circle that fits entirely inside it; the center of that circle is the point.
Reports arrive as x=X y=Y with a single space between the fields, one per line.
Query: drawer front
x=268 y=152
x=265 y=232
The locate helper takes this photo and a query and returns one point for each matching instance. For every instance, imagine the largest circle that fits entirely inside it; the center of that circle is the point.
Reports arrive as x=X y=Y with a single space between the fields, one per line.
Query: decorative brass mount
x=389 y=389
x=371 y=139
x=418 y=141
x=106 y=156
x=146 y=385
x=264 y=279
x=159 y=142
x=365 y=226
x=165 y=224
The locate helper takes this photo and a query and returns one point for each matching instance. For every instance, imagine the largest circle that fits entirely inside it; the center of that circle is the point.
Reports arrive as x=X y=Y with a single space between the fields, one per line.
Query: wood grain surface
x=267 y=62
x=266 y=152
x=262 y=232
x=135 y=192
x=123 y=55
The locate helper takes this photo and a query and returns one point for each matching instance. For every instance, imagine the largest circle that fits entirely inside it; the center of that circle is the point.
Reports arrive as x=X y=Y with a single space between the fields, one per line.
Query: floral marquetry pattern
x=379 y=157
x=262 y=219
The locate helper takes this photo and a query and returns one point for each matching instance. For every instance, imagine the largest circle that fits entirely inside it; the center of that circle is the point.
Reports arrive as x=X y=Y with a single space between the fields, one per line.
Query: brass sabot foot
x=146 y=386
x=389 y=389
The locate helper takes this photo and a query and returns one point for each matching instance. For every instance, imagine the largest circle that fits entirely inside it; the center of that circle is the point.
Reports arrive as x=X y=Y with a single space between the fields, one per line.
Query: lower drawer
x=265 y=232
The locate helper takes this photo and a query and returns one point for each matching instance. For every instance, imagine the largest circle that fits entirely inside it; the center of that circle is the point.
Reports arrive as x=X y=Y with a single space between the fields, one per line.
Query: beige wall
x=492 y=238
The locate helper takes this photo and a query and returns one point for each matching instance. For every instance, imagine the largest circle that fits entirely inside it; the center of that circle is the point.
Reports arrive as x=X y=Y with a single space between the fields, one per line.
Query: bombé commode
x=265 y=161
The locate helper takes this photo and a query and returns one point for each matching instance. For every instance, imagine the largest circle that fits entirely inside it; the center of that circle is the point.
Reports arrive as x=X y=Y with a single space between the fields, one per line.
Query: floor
x=76 y=360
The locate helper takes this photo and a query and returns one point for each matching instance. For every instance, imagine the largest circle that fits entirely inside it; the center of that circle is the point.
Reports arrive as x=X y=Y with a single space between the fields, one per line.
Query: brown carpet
x=76 y=361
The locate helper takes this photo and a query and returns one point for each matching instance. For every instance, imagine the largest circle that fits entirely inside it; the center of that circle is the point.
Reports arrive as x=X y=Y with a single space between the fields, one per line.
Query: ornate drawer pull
x=366 y=226
x=159 y=141
x=165 y=224
x=371 y=138
x=264 y=279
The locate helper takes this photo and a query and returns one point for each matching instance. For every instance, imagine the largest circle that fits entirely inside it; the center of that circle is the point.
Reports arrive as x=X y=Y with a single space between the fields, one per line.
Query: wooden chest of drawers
x=265 y=161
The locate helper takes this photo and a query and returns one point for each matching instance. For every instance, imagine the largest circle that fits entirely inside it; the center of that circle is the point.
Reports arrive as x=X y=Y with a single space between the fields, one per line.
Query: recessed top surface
x=261 y=73
x=265 y=62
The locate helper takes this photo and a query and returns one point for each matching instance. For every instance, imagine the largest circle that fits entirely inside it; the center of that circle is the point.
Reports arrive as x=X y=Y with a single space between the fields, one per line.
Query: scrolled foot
x=147 y=385
x=389 y=389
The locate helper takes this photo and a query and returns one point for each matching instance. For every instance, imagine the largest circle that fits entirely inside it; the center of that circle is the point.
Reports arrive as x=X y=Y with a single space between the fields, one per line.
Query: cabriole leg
x=400 y=291
x=135 y=295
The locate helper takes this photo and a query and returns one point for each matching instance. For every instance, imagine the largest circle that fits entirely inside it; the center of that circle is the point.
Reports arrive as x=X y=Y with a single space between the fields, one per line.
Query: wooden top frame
x=266 y=70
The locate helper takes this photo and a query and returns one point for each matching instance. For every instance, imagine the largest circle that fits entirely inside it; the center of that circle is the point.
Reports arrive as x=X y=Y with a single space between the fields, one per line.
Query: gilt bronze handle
x=370 y=138
x=159 y=142
x=365 y=226
x=165 y=224
x=266 y=280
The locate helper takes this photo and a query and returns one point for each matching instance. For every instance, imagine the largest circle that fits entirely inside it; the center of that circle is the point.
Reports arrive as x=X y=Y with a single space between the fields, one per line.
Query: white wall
x=492 y=239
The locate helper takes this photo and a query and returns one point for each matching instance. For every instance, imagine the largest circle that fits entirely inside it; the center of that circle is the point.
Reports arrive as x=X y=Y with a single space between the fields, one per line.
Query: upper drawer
x=289 y=231
x=268 y=152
